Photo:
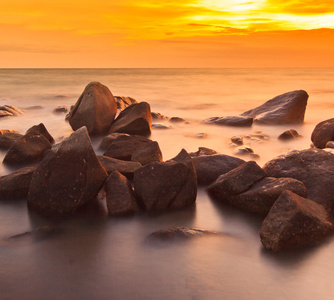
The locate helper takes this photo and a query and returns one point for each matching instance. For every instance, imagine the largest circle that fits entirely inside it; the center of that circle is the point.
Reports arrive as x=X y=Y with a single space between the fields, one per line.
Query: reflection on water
x=98 y=257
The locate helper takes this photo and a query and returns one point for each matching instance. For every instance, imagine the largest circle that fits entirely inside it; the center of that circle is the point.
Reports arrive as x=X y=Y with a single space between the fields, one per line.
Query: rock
x=290 y=134
x=3 y=131
x=127 y=168
x=243 y=150
x=203 y=151
x=40 y=129
x=176 y=120
x=181 y=233
x=238 y=140
x=124 y=102
x=158 y=116
x=150 y=152
x=161 y=126
x=107 y=140
x=135 y=119
x=294 y=222
x=96 y=109
x=67 y=179
x=9 y=110
x=258 y=136
x=162 y=186
x=238 y=121
x=8 y=139
x=124 y=146
x=210 y=167
x=28 y=149
x=201 y=135
x=288 y=108
x=323 y=133
x=60 y=109
x=313 y=167
x=236 y=181
x=261 y=196
x=16 y=185
x=330 y=144
x=120 y=196
x=41 y=232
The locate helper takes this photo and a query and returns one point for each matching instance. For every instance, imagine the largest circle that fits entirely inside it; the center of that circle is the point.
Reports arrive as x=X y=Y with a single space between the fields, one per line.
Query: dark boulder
x=181 y=233
x=68 y=178
x=313 y=167
x=237 y=121
x=260 y=197
x=236 y=181
x=107 y=140
x=96 y=109
x=16 y=185
x=120 y=196
x=290 y=134
x=40 y=129
x=135 y=119
x=323 y=133
x=127 y=168
x=210 y=167
x=7 y=139
x=161 y=186
x=150 y=152
x=288 y=108
x=124 y=146
x=294 y=222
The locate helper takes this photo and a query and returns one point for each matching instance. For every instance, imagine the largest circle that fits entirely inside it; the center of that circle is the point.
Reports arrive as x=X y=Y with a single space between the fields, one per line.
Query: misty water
x=99 y=257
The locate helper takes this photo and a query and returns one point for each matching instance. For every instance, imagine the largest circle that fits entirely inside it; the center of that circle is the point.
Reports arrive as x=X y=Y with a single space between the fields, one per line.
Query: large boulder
x=237 y=121
x=288 y=108
x=135 y=119
x=161 y=186
x=108 y=139
x=147 y=154
x=127 y=168
x=68 y=178
x=96 y=109
x=323 y=133
x=40 y=129
x=293 y=222
x=28 y=149
x=7 y=139
x=124 y=146
x=16 y=185
x=313 y=167
x=120 y=196
x=210 y=167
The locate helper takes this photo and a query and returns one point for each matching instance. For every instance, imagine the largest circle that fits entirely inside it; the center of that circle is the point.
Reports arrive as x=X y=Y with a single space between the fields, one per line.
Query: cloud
x=309 y=7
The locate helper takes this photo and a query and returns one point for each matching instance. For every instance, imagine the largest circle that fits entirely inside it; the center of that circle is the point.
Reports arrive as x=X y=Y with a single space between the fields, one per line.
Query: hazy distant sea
x=106 y=258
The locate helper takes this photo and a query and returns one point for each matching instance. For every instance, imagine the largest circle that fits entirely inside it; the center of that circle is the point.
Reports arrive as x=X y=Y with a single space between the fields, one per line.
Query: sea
x=95 y=256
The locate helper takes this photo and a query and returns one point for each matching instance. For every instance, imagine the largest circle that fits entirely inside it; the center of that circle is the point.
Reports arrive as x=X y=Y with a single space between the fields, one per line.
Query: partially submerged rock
x=290 y=134
x=288 y=108
x=40 y=233
x=293 y=222
x=62 y=109
x=7 y=139
x=68 y=178
x=237 y=121
x=135 y=119
x=127 y=168
x=181 y=233
x=41 y=129
x=323 y=133
x=203 y=151
x=9 y=110
x=96 y=109
x=16 y=185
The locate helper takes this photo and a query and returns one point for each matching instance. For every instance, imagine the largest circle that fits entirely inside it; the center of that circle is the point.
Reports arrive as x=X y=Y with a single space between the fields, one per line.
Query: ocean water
x=99 y=257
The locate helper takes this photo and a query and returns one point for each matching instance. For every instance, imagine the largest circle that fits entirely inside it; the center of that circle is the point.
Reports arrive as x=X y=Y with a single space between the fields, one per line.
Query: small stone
x=330 y=144
x=238 y=140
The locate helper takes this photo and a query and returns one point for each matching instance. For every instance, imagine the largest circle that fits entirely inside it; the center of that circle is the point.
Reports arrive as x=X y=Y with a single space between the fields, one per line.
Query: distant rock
x=210 y=167
x=158 y=116
x=9 y=110
x=96 y=109
x=243 y=150
x=124 y=102
x=294 y=222
x=147 y=154
x=60 y=109
x=238 y=140
x=120 y=196
x=203 y=151
x=8 y=139
x=135 y=119
x=176 y=120
x=127 y=168
x=181 y=233
x=290 y=134
x=16 y=185
x=161 y=126
x=323 y=133
x=237 y=121
x=288 y=108
x=34 y=107
x=68 y=178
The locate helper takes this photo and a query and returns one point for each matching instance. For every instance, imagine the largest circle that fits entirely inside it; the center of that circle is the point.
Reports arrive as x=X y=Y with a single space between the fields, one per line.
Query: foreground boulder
x=127 y=168
x=161 y=186
x=294 y=222
x=323 y=133
x=210 y=167
x=120 y=196
x=288 y=108
x=237 y=121
x=68 y=178
x=135 y=119
x=313 y=167
x=147 y=154
x=181 y=233
x=96 y=109
x=7 y=139
x=108 y=139
x=41 y=129
x=16 y=185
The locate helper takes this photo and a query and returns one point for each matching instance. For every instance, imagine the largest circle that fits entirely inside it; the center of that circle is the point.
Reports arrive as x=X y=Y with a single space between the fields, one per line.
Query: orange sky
x=156 y=33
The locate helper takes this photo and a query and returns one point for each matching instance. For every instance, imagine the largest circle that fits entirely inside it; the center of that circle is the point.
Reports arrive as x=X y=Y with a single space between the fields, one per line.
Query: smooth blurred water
x=99 y=257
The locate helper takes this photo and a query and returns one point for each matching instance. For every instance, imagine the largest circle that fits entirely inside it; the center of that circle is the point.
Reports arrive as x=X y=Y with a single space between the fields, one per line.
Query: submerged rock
x=290 y=134
x=294 y=222
x=96 y=109
x=177 y=120
x=181 y=233
x=238 y=121
x=40 y=233
x=60 y=109
x=323 y=133
x=288 y=108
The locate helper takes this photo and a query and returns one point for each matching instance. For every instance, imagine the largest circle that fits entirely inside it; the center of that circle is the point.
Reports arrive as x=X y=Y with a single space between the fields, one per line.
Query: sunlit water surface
x=98 y=257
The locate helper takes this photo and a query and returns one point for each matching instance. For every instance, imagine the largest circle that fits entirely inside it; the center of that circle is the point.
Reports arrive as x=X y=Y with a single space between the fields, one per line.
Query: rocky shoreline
x=292 y=192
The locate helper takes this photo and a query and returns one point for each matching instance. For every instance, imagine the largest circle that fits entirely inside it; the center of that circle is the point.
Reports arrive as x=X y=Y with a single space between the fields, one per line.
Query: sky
x=166 y=33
